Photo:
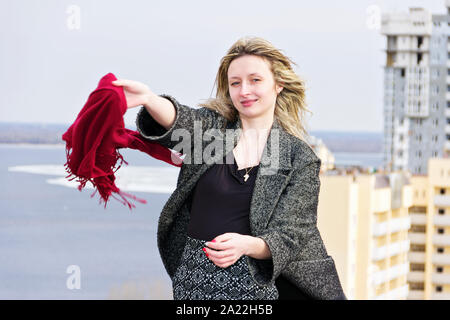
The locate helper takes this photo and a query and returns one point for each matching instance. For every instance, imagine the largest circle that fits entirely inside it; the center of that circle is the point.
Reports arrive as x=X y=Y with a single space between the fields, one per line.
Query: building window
x=440 y=230
x=442 y=191
x=441 y=211
x=417 y=248
x=415 y=228
x=438 y=288
x=440 y=250
x=439 y=269
x=419 y=286
x=417 y=267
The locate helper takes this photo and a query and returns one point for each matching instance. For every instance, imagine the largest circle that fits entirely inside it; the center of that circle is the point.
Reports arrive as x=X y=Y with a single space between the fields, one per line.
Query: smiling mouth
x=248 y=101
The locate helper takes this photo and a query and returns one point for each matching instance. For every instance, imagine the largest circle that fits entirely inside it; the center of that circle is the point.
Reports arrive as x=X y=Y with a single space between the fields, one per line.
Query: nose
x=245 y=89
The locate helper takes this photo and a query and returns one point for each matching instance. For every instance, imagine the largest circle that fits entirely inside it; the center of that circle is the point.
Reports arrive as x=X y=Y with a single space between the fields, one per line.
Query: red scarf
x=97 y=134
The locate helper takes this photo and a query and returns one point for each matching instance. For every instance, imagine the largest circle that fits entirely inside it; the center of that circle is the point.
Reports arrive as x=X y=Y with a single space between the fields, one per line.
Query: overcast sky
x=49 y=63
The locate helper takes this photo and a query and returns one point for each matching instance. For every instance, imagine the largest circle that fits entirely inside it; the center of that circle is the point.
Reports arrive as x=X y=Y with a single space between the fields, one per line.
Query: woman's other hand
x=226 y=249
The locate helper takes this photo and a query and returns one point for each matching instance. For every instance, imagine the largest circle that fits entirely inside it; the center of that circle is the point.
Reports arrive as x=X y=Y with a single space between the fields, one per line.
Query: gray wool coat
x=283 y=210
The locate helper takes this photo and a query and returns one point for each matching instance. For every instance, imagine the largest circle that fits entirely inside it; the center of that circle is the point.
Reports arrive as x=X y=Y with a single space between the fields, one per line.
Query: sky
x=54 y=52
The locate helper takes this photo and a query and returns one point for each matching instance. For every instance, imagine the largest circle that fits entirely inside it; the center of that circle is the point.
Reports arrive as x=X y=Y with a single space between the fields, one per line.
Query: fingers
x=120 y=82
x=217 y=255
x=219 y=242
x=220 y=259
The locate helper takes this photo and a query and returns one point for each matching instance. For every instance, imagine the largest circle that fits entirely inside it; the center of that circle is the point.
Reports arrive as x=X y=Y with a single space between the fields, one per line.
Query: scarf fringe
x=103 y=185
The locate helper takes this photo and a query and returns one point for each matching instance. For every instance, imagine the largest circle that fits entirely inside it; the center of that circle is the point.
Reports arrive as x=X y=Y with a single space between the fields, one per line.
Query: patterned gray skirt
x=198 y=278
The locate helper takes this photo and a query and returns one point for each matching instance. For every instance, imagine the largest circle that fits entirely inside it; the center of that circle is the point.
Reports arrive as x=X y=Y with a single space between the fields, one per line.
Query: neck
x=261 y=126
x=253 y=139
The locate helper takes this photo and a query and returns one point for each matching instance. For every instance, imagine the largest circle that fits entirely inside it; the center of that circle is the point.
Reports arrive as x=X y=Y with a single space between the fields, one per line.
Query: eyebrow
x=251 y=74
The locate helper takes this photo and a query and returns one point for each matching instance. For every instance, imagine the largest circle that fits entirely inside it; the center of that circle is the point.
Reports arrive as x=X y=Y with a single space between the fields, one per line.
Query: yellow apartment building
x=429 y=255
x=389 y=233
x=364 y=222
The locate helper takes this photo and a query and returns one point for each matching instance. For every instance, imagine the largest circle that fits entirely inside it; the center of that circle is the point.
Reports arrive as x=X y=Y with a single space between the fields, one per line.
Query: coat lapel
x=271 y=178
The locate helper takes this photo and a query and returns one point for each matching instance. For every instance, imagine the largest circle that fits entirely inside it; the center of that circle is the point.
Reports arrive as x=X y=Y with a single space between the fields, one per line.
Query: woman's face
x=251 y=80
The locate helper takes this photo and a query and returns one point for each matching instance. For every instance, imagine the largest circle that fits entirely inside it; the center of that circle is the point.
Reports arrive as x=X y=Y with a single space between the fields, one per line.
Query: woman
x=242 y=226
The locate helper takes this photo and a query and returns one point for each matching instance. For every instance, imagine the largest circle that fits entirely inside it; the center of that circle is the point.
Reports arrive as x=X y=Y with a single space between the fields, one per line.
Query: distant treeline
x=51 y=133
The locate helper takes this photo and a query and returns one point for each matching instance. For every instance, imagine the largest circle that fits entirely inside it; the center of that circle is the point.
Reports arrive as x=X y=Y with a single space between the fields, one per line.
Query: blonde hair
x=290 y=106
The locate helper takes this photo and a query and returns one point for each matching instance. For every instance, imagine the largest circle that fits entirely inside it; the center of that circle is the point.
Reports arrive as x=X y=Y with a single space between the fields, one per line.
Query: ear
x=279 y=89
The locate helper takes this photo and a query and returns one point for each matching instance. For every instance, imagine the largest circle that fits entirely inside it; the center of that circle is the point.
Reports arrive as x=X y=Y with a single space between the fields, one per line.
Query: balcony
x=418 y=218
x=399 y=293
x=440 y=258
x=416 y=257
x=442 y=200
x=379 y=229
x=416 y=276
x=441 y=240
x=440 y=296
x=415 y=111
x=439 y=220
x=416 y=295
x=391 y=226
x=390 y=273
x=399 y=224
x=417 y=238
x=389 y=250
x=440 y=278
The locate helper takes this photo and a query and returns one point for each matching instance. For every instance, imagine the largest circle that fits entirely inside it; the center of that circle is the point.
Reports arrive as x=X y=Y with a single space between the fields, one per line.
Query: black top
x=221 y=201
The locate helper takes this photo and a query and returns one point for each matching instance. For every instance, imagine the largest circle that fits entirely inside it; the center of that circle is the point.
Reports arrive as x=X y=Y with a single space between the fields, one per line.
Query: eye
x=256 y=80
x=234 y=83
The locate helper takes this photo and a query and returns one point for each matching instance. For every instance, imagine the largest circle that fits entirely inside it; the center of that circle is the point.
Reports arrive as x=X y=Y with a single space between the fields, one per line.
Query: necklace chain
x=247 y=171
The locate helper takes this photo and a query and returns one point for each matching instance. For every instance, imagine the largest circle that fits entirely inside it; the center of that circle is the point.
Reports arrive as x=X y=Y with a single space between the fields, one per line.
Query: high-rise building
x=416 y=89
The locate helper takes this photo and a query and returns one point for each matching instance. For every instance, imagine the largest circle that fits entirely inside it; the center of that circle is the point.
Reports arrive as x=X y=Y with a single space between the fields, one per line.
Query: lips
x=248 y=103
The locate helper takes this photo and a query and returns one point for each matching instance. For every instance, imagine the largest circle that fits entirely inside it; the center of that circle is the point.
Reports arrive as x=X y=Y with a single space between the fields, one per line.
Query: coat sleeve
x=185 y=119
x=292 y=233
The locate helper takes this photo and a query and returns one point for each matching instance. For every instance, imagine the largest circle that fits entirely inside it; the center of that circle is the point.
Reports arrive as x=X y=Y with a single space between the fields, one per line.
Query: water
x=344 y=159
x=46 y=226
